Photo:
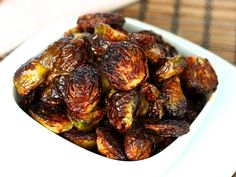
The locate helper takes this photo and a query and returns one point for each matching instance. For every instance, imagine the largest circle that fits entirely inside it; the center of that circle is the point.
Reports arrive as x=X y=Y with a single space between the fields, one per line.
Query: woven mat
x=209 y=23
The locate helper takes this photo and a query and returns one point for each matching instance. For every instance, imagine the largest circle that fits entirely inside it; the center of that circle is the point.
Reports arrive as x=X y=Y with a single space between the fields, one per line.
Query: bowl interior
x=175 y=149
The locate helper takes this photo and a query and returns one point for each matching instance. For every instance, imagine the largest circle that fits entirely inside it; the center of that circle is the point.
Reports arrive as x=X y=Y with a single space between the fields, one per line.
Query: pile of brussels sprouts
x=125 y=95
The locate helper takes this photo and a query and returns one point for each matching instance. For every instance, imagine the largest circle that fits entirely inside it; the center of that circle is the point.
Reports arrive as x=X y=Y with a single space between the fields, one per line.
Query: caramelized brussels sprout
x=176 y=102
x=150 y=42
x=106 y=86
x=50 y=118
x=54 y=93
x=143 y=107
x=154 y=47
x=156 y=109
x=86 y=140
x=170 y=51
x=155 y=105
x=150 y=91
x=109 y=33
x=109 y=145
x=168 y=127
x=144 y=38
x=86 y=121
x=75 y=33
x=172 y=67
x=72 y=55
x=52 y=53
x=165 y=143
x=199 y=76
x=89 y=21
x=98 y=45
x=124 y=65
x=122 y=109
x=65 y=55
x=29 y=76
x=138 y=146
x=194 y=107
x=155 y=53
x=82 y=89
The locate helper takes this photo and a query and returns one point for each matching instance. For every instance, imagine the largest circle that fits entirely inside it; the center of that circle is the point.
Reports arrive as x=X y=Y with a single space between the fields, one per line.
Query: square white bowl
x=32 y=150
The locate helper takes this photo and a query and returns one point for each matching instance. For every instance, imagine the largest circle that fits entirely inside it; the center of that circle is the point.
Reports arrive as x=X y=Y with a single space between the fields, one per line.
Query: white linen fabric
x=20 y=19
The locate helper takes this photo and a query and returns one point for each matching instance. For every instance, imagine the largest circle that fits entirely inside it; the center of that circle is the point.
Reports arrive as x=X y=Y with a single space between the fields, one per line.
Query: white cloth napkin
x=20 y=19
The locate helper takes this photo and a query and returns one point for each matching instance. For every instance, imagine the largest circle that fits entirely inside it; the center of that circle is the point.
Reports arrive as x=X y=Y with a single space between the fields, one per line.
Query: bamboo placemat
x=209 y=23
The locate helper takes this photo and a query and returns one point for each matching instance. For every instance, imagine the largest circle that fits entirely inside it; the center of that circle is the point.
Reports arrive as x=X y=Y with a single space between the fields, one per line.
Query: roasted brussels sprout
x=109 y=33
x=168 y=127
x=144 y=38
x=155 y=101
x=29 y=76
x=75 y=33
x=86 y=121
x=124 y=65
x=122 y=109
x=138 y=145
x=156 y=109
x=199 y=77
x=155 y=53
x=172 y=67
x=98 y=45
x=72 y=55
x=50 y=117
x=143 y=107
x=109 y=145
x=54 y=93
x=65 y=55
x=170 y=51
x=153 y=45
x=150 y=91
x=176 y=102
x=164 y=144
x=86 y=140
x=82 y=89
x=89 y=21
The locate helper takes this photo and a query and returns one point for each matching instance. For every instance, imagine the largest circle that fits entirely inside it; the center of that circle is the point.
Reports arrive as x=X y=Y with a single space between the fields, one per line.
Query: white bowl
x=29 y=149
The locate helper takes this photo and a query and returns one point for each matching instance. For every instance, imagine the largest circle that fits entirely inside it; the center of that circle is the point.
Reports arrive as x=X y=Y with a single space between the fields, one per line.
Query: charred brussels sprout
x=168 y=127
x=199 y=76
x=122 y=108
x=89 y=21
x=124 y=65
x=144 y=38
x=143 y=106
x=176 y=102
x=86 y=140
x=153 y=45
x=109 y=33
x=155 y=101
x=138 y=146
x=86 y=121
x=29 y=76
x=64 y=56
x=82 y=89
x=51 y=118
x=156 y=109
x=150 y=91
x=172 y=67
x=109 y=145
x=98 y=45
x=54 y=93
